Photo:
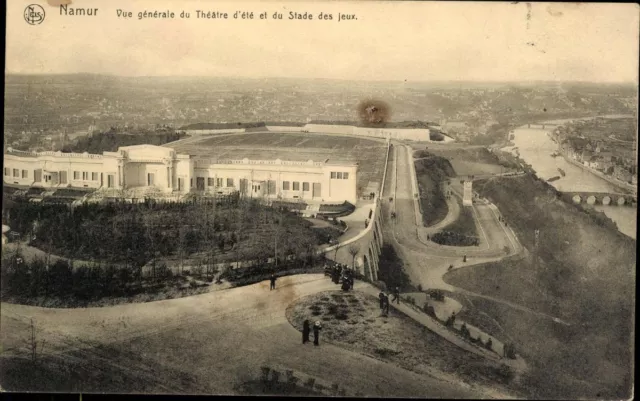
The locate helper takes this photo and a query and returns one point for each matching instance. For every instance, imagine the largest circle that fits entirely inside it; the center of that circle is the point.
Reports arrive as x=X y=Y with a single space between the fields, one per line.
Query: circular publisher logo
x=34 y=14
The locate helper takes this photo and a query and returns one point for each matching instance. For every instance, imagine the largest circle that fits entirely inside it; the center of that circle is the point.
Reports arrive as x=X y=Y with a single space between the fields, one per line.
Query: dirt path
x=218 y=338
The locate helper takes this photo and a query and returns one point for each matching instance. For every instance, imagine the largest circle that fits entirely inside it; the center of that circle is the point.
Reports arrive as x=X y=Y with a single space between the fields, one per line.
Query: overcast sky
x=388 y=41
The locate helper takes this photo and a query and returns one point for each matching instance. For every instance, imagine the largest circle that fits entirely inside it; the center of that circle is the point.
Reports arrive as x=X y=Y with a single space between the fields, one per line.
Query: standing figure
x=396 y=295
x=306 y=329
x=386 y=304
x=381 y=297
x=316 y=332
x=273 y=279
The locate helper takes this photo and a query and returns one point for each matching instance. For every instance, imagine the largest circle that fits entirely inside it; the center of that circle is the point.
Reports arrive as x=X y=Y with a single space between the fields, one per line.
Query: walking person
x=273 y=279
x=316 y=332
x=396 y=295
x=306 y=329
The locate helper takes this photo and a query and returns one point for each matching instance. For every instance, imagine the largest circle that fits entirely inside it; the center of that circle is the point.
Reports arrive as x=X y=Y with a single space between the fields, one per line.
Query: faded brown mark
x=554 y=13
x=528 y=14
x=57 y=3
x=374 y=112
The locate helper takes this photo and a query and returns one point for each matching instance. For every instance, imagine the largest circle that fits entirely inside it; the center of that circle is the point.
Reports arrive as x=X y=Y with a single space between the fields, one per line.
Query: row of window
x=219 y=182
x=85 y=176
x=16 y=173
x=25 y=174
x=296 y=186
x=339 y=175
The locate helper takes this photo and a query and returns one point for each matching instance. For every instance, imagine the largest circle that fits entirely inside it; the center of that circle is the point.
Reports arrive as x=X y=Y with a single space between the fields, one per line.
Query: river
x=535 y=147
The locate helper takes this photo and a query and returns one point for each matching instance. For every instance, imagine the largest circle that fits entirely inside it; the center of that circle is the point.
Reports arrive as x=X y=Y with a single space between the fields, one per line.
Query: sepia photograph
x=320 y=198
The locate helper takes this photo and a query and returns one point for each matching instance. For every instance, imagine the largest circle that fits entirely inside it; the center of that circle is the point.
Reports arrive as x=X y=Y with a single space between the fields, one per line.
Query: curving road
x=428 y=262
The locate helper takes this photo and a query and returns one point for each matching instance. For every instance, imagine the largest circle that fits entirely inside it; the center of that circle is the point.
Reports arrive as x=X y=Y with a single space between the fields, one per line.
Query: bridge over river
x=603 y=198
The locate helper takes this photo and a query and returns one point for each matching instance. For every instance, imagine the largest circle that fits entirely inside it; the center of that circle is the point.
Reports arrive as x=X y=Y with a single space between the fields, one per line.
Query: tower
x=467 y=198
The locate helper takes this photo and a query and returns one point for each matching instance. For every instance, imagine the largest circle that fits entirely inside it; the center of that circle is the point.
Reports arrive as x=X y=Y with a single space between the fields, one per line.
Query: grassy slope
x=586 y=276
x=430 y=173
x=473 y=161
x=392 y=271
x=353 y=321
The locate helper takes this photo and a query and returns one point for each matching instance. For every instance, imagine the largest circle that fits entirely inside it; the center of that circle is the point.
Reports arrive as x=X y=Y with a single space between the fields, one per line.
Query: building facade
x=172 y=173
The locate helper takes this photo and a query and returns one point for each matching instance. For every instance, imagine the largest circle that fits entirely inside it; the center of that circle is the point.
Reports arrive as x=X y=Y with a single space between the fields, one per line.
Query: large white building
x=161 y=168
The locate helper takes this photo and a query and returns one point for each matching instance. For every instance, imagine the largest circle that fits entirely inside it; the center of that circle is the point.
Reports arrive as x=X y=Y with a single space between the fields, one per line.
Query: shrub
x=429 y=310
x=454 y=239
x=341 y=316
x=506 y=372
x=464 y=331
x=275 y=376
x=420 y=287
x=437 y=295
x=265 y=373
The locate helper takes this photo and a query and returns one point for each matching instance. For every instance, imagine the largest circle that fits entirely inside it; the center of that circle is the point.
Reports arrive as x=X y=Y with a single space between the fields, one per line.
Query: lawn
x=466 y=222
x=472 y=161
x=353 y=320
x=431 y=173
x=585 y=275
x=369 y=154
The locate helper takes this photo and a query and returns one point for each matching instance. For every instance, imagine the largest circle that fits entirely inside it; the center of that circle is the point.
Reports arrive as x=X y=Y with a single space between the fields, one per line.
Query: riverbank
x=624 y=186
x=534 y=147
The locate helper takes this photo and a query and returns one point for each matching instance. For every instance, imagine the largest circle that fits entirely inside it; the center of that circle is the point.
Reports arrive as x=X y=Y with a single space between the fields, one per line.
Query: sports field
x=369 y=154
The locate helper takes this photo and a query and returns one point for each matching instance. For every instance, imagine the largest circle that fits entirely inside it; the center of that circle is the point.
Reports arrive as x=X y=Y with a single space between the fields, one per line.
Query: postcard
x=320 y=198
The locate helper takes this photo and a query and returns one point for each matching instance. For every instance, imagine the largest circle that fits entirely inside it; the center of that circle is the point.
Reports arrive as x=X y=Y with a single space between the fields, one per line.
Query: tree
x=182 y=246
x=32 y=343
x=353 y=251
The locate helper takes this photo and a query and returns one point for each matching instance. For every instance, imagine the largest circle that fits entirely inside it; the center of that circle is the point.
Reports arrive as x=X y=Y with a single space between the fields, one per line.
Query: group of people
x=340 y=273
x=306 y=330
x=384 y=300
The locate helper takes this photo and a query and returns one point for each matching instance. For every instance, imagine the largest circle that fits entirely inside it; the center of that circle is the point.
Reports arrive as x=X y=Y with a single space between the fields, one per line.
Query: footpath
x=495 y=237
x=440 y=329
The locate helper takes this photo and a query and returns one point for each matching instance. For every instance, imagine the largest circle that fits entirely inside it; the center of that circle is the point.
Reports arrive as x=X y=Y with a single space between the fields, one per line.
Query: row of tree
x=132 y=235
x=111 y=140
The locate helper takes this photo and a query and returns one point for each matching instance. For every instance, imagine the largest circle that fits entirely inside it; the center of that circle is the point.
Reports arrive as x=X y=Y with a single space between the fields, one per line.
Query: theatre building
x=170 y=173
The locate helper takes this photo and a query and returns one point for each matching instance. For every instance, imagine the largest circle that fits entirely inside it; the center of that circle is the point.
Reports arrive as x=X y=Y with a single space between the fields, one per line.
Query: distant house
x=622 y=173
x=594 y=163
x=606 y=167
x=606 y=156
x=586 y=155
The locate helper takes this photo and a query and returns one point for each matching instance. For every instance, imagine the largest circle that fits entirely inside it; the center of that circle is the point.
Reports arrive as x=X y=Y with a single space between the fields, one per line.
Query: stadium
x=301 y=170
